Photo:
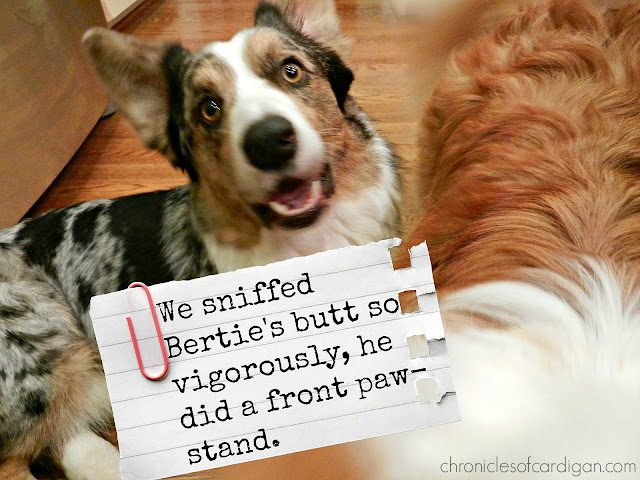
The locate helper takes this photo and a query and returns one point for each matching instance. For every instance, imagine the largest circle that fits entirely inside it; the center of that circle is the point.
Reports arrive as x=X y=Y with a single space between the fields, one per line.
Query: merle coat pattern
x=52 y=392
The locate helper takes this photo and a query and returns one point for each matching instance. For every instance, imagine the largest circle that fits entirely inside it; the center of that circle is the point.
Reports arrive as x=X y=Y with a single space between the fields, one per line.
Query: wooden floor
x=111 y=162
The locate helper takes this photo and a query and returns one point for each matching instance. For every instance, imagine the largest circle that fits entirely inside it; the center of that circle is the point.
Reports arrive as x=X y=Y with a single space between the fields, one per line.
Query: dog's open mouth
x=297 y=203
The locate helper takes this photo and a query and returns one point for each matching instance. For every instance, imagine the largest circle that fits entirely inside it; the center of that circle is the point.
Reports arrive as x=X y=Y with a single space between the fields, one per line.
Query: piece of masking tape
x=427 y=390
x=418 y=346
x=400 y=257
x=408 y=302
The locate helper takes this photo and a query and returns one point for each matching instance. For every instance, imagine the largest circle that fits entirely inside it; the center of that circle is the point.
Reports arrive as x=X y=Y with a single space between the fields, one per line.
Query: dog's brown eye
x=292 y=73
x=210 y=110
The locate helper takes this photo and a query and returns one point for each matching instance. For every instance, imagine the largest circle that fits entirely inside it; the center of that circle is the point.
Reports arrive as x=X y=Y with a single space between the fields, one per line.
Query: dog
x=282 y=162
x=529 y=169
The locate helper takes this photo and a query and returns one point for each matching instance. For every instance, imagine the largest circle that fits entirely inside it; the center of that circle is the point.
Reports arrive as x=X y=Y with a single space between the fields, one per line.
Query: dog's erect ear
x=318 y=23
x=316 y=19
x=143 y=79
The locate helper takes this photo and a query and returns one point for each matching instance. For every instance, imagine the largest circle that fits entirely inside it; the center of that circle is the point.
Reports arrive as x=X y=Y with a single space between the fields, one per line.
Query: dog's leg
x=52 y=389
x=84 y=455
x=89 y=457
x=16 y=469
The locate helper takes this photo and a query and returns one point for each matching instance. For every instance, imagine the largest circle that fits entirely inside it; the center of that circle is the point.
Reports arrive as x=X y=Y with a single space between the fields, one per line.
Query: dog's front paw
x=90 y=457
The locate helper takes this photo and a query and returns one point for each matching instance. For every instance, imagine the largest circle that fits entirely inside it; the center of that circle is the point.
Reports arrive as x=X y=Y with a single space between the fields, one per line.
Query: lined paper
x=271 y=360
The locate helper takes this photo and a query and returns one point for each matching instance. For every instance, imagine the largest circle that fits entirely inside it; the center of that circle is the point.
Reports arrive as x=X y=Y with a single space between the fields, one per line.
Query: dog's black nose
x=270 y=143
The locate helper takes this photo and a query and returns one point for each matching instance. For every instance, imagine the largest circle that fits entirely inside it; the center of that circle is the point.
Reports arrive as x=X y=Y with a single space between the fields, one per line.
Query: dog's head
x=256 y=122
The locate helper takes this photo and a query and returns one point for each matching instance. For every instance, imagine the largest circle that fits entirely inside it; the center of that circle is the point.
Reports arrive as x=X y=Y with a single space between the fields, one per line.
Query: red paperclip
x=159 y=333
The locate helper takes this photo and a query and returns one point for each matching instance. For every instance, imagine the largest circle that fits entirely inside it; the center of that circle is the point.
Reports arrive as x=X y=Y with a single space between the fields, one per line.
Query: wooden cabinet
x=50 y=98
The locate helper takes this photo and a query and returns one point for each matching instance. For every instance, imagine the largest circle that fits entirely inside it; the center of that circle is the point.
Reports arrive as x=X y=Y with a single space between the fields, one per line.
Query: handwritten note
x=266 y=361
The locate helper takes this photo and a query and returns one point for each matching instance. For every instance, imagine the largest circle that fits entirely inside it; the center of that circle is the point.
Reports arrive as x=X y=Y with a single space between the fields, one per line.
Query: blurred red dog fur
x=530 y=160
x=531 y=149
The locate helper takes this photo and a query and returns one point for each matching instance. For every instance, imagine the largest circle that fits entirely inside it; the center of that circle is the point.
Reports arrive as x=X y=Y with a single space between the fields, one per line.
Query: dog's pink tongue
x=292 y=194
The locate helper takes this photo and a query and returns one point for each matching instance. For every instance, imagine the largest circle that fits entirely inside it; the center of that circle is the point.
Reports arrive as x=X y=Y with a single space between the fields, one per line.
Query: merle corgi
x=282 y=162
